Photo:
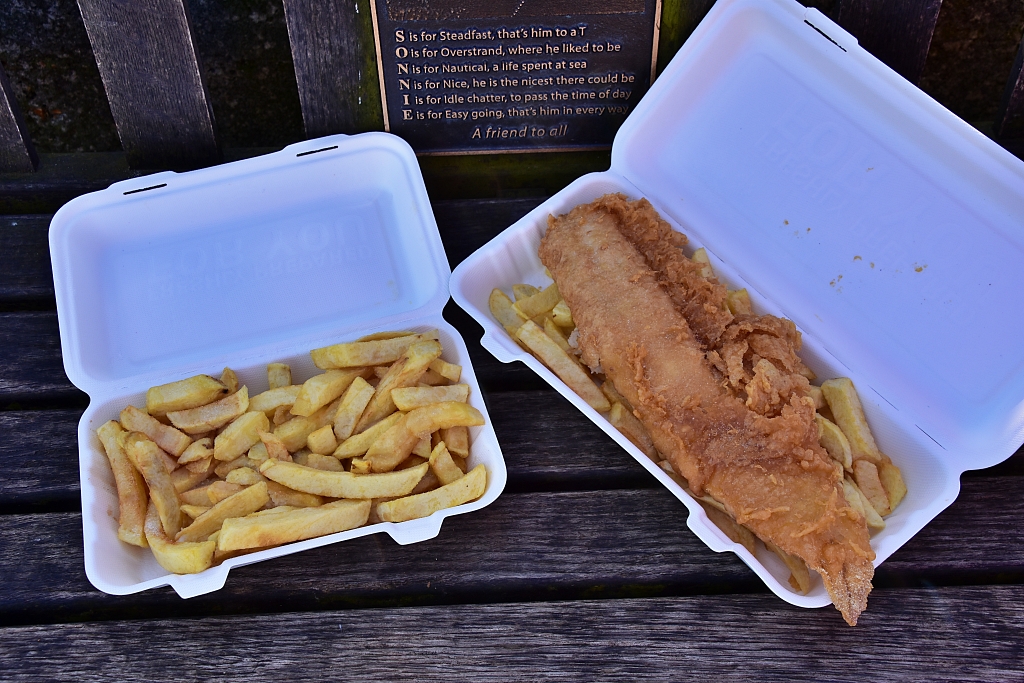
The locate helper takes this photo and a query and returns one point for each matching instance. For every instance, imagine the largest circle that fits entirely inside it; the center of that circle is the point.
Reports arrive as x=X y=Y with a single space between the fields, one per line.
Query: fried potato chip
x=353 y=402
x=389 y=334
x=442 y=465
x=147 y=458
x=865 y=473
x=524 y=291
x=463 y=490
x=198 y=466
x=360 y=443
x=270 y=528
x=320 y=390
x=632 y=429
x=409 y=398
x=167 y=438
x=613 y=396
x=322 y=441
x=832 y=439
x=857 y=500
x=278 y=375
x=197 y=450
x=284 y=496
x=184 y=394
x=211 y=416
x=736 y=532
x=456 y=439
x=504 y=313
x=239 y=436
x=276 y=448
x=846 y=408
x=244 y=476
x=800 y=577
x=258 y=453
x=296 y=431
x=818 y=397
x=229 y=379
x=194 y=511
x=562 y=316
x=327 y=463
x=271 y=400
x=556 y=335
x=559 y=362
x=450 y=371
x=892 y=481
x=198 y=496
x=392 y=447
x=538 y=304
x=701 y=256
x=132 y=498
x=343 y=484
x=177 y=558
x=738 y=302
x=367 y=353
x=246 y=501
x=403 y=373
x=219 y=490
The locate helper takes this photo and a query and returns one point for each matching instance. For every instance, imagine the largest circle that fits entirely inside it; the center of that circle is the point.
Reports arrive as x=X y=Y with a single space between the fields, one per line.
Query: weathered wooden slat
x=606 y=544
x=898 y=32
x=148 y=62
x=332 y=45
x=1009 y=121
x=38 y=459
x=17 y=154
x=26 y=275
x=908 y=636
x=31 y=368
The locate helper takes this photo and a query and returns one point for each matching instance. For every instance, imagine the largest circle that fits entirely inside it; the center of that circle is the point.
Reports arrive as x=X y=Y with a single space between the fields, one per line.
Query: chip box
x=170 y=275
x=842 y=198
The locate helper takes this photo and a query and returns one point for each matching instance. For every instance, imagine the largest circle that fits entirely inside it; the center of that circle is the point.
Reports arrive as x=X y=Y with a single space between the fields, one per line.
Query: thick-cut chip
x=892 y=481
x=343 y=484
x=501 y=309
x=322 y=441
x=556 y=335
x=327 y=463
x=167 y=438
x=432 y=379
x=319 y=390
x=177 y=558
x=282 y=495
x=219 y=490
x=147 y=458
x=392 y=447
x=211 y=416
x=800 y=577
x=275 y=447
x=389 y=334
x=281 y=415
x=422 y=447
x=367 y=353
x=184 y=479
x=278 y=375
x=856 y=500
x=818 y=397
x=397 y=443
x=197 y=466
x=409 y=398
x=184 y=394
x=736 y=532
x=865 y=473
x=442 y=465
x=239 y=436
x=738 y=302
x=832 y=439
x=846 y=408
x=229 y=379
x=244 y=476
x=279 y=397
x=450 y=371
x=131 y=487
x=197 y=450
x=562 y=315
x=613 y=396
x=224 y=468
x=258 y=453
x=456 y=439
x=559 y=362
x=359 y=466
x=295 y=431
x=271 y=528
x=539 y=303
x=360 y=443
x=353 y=402
x=198 y=496
x=626 y=422
x=194 y=511
x=244 y=502
x=701 y=256
x=463 y=490
x=524 y=291
x=403 y=373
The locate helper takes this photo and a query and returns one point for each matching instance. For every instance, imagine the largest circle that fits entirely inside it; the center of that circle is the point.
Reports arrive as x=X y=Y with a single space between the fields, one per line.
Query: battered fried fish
x=724 y=398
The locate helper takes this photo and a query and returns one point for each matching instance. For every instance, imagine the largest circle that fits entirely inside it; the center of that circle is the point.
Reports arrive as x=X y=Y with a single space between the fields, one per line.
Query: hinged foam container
x=844 y=199
x=170 y=275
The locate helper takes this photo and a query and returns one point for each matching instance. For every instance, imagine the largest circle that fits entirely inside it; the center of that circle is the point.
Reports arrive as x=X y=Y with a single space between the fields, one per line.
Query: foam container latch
x=170 y=275
x=845 y=199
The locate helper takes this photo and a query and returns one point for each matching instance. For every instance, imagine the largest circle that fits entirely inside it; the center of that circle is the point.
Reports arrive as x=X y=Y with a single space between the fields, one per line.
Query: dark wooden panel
x=39 y=459
x=546 y=546
x=31 y=368
x=898 y=32
x=921 y=635
x=148 y=62
x=335 y=65
x=467 y=225
x=16 y=151
x=1010 y=119
x=26 y=274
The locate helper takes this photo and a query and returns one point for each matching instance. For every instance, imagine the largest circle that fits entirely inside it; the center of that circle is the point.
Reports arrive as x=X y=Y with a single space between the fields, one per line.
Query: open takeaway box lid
x=842 y=198
x=170 y=275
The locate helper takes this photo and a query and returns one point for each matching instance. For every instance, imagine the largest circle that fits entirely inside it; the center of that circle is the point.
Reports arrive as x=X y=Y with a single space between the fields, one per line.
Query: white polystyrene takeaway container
x=843 y=198
x=170 y=275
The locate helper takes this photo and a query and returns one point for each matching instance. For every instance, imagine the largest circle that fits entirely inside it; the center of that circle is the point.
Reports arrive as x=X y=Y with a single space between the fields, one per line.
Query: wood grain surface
x=147 y=59
x=898 y=32
x=17 y=154
x=26 y=276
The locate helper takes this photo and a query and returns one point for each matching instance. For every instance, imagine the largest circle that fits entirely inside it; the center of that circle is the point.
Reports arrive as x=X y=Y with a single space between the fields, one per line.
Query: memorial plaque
x=485 y=76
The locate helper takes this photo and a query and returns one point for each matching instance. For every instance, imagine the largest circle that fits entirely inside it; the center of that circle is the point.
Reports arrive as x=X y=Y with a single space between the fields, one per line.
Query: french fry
x=736 y=532
x=422 y=447
x=567 y=370
x=353 y=402
x=426 y=420
x=244 y=476
x=320 y=390
x=613 y=396
x=211 y=416
x=555 y=334
x=632 y=429
x=892 y=481
x=738 y=302
x=800 y=577
x=463 y=490
x=146 y=456
x=539 y=303
x=342 y=484
x=246 y=501
x=403 y=373
x=284 y=496
x=845 y=405
x=279 y=397
x=456 y=439
x=198 y=466
x=197 y=450
x=367 y=353
x=562 y=316
x=184 y=394
x=701 y=257
x=832 y=439
x=859 y=502
x=865 y=473
x=450 y=371
x=389 y=334
x=258 y=453
x=278 y=375
x=360 y=443
x=239 y=436
x=409 y=398
x=229 y=379
x=281 y=415
x=523 y=291
x=322 y=441
x=167 y=438
x=323 y=462
x=194 y=511
x=275 y=447
x=442 y=465
x=504 y=313
x=177 y=558
x=818 y=397
x=392 y=447
x=295 y=431
x=132 y=497
x=271 y=528
x=219 y=490
x=198 y=496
